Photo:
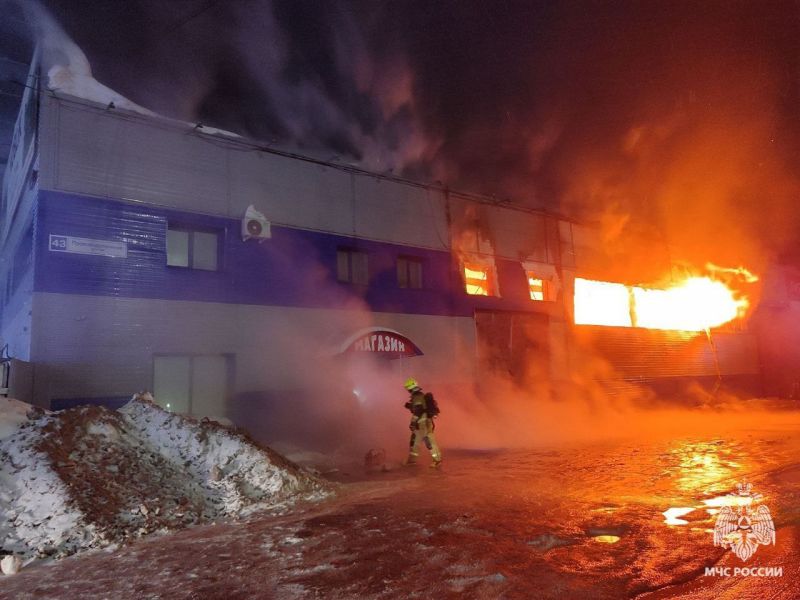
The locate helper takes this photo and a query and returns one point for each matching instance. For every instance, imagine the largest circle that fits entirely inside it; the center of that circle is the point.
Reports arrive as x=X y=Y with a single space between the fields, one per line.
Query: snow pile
x=13 y=413
x=231 y=470
x=89 y=476
x=34 y=513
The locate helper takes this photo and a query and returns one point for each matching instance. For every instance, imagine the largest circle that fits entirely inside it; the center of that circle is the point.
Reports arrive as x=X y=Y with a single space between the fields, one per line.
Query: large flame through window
x=695 y=304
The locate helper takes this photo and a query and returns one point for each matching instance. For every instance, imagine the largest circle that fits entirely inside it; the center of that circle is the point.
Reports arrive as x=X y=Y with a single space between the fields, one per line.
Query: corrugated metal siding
x=291 y=192
x=16 y=284
x=17 y=322
x=107 y=154
x=90 y=346
x=293 y=268
x=511 y=234
x=88 y=150
x=399 y=213
x=102 y=154
x=649 y=353
x=513 y=345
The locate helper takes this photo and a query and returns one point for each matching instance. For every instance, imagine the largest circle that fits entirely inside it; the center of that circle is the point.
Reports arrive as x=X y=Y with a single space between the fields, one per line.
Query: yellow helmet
x=411 y=384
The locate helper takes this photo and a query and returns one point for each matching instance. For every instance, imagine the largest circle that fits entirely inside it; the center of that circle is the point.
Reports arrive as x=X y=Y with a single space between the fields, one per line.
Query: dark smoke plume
x=674 y=116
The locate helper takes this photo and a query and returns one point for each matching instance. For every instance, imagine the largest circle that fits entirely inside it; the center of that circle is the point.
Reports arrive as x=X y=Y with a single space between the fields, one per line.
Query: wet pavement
x=574 y=521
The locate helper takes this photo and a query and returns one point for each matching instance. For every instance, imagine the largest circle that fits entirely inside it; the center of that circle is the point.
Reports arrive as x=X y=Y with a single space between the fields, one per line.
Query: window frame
x=350 y=275
x=191 y=230
x=546 y=290
x=407 y=261
x=192 y=357
x=489 y=284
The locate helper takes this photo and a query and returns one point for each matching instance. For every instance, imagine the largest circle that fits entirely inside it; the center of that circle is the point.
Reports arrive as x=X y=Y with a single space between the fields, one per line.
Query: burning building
x=227 y=276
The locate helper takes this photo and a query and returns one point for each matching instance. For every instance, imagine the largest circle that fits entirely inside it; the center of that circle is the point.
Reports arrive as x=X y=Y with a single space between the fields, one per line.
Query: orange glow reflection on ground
x=695 y=304
x=606 y=539
x=702 y=465
x=728 y=500
x=672 y=516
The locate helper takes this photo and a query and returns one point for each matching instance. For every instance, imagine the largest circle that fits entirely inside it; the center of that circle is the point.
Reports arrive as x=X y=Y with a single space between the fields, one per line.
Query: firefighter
x=423 y=410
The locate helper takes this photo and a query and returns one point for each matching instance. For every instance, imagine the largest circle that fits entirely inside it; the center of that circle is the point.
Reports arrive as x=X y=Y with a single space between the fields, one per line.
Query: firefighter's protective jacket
x=422 y=428
x=417 y=405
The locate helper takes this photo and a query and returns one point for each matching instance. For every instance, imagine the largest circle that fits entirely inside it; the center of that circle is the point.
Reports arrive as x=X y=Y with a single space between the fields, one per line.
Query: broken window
x=540 y=289
x=409 y=272
x=479 y=279
x=192 y=249
x=352 y=266
x=543 y=281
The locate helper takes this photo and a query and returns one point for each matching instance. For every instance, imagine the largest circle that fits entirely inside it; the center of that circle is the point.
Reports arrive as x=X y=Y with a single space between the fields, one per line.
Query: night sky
x=683 y=114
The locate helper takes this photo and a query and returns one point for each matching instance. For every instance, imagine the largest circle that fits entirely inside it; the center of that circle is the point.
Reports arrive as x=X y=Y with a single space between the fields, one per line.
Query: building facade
x=126 y=268
x=129 y=269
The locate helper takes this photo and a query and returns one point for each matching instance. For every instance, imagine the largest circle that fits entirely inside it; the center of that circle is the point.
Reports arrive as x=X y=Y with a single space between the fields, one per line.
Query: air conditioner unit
x=255 y=225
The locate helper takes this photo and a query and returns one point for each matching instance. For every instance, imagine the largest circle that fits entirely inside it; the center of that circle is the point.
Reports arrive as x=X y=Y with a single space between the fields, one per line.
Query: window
x=602 y=303
x=352 y=266
x=192 y=249
x=193 y=384
x=541 y=289
x=409 y=272
x=479 y=280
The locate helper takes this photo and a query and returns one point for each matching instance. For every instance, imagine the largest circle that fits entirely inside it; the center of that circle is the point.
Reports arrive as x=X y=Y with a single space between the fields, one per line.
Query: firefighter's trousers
x=422 y=429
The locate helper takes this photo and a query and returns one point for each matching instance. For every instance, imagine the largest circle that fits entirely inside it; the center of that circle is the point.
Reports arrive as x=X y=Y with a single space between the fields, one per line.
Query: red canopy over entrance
x=380 y=342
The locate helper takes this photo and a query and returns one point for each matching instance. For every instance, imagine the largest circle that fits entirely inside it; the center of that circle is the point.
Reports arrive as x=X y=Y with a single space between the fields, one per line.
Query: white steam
x=68 y=70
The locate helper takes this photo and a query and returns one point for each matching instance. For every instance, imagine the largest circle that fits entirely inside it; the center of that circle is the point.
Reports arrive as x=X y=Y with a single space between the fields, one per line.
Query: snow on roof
x=68 y=69
x=70 y=73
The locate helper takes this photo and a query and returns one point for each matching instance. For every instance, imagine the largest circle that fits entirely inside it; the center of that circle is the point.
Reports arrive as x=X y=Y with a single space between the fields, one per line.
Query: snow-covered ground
x=491 y=524
x=91 y=477
x=13 y=413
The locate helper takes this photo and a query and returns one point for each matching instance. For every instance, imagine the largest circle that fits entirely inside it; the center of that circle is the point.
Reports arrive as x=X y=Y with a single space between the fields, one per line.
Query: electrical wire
x=191 y=17
x=245 y=145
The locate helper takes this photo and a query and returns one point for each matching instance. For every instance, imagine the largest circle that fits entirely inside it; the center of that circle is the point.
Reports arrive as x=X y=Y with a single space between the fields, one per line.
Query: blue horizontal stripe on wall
x=107 y=401
x=294 y=268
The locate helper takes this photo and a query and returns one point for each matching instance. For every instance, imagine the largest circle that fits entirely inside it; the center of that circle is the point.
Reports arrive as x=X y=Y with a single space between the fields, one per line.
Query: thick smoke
x=672 y=121
x=300 y=75
x=660 y=119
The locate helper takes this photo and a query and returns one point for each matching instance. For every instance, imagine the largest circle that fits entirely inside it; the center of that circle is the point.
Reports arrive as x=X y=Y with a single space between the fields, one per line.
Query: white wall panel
x=399 y=213
x=518 y=232
x=91 y=346
x=504 y=232
x=99 y=152
x=291 y=192
x=138 y=160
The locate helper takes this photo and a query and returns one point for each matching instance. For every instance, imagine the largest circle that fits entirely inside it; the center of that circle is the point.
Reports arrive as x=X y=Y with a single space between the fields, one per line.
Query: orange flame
x=695 y=304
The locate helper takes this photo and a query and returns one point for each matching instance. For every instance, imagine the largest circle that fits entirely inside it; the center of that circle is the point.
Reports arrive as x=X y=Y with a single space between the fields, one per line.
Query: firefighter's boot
x=436 y=454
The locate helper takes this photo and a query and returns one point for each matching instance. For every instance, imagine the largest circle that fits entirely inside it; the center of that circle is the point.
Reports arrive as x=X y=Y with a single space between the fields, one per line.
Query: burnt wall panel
x=635 y=353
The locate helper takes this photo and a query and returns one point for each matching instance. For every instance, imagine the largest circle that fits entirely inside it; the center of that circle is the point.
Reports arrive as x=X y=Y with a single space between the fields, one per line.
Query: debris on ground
x=10 y=564
x=375 y=460
x=90 y=477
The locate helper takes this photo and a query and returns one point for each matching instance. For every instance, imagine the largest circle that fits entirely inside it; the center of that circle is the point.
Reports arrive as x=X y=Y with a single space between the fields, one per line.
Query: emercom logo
x=744 y=572
x=744 y=524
